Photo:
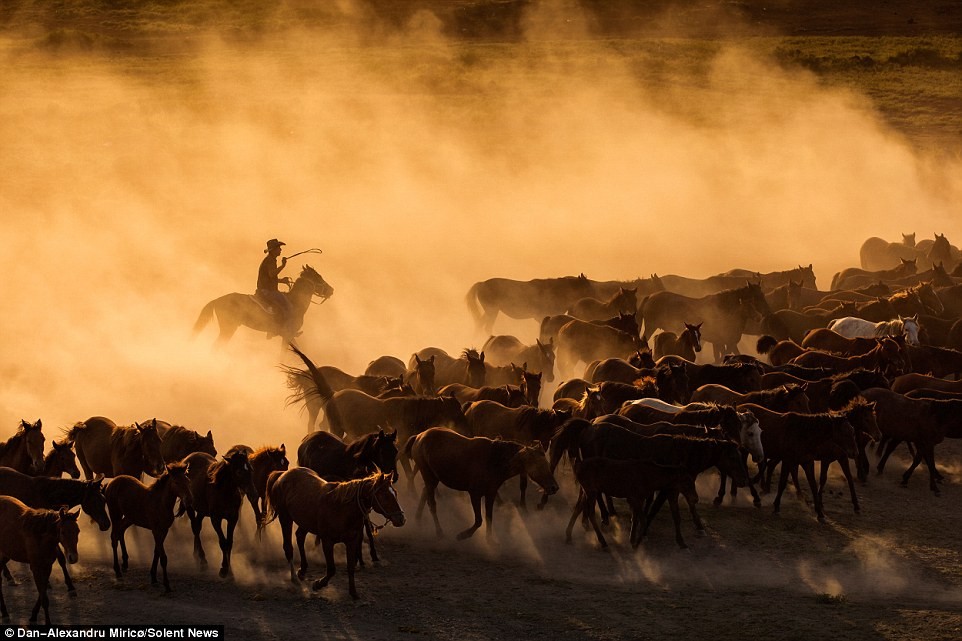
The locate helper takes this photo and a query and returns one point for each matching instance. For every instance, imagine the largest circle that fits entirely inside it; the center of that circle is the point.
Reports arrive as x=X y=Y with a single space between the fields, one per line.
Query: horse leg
x=676 y=517
x=62 y=560
x=226 y=543
x=890 y=446
x=88 y=471
x=524 y=488
x=353 y=552
x=313 y=409
x=476 y=504
x=160 y=553
x=695 y=518
x=916 y=460
x=847 y=471
x=653 y=510
x=809 y=468
x=226 y=332
x=300 y=534
x=288 y=546
x=41 y=578
x=428 y=494
x=117 y=536
x=782 y=482
x=861 y=464
x=196 y=525
x=370 y=541
x=823 y=475
x=328 y=546
x=7 y=575
x=489 y=511
x=721 y=488
x=589 y=513
x=579 y=507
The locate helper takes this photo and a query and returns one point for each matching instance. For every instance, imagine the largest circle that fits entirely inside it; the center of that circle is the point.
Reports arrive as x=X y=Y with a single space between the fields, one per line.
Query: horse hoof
x=318 y=584
x=539 y=507
x=223 y=573
x=821 y=519
x=464 y=535
x=72 y=594
x=757 y=502
x=301 y=574
x=701 y=533
x=717 y=501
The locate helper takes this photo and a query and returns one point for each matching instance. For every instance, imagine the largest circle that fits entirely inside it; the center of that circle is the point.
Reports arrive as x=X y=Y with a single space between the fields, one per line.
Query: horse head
x=68 y=533
x=384 y=499
x=424 y=373
x=536 y=466
x=150 y=448
x=33 y=440
x=321 y=288
x=908 y=239
x=62 y=459
x=95 y=504
x=694 y=335
x=179 y=482
x=750 y=435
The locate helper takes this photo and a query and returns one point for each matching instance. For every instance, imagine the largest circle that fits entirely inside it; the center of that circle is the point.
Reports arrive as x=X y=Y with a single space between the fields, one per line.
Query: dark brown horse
x=853 y=277
x=886 y=357
x=478 y=466
x=130 y=502
x=589 y=309
x=787 y=324
x=178 y=442
x=741 y=377
x=877 y=253
x=106 y=449
x=24 y=450
x=335 y=512
x=771 y=280
x=34 y=536
x=551 y=325
x=633 y=480
x=217 y=490
x=828 y=340
x=938 y=361
x=778 y=352
x=921 y=422
x=422 y=377
x=724 y=314
x=798 y=440
x=913 y=381
x=60 y=460
x=263 y=461
x=686 y=344
x=787 y=398
x=54 y=493
x=524 y=299
x=390 y=366
x=468 y=369
x=234 y=310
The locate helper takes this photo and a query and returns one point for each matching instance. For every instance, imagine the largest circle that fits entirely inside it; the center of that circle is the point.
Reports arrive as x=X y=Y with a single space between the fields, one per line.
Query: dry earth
x=890 y=573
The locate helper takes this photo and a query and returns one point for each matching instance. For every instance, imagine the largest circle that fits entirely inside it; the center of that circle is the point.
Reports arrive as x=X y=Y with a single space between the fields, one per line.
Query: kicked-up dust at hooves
x=571 y=280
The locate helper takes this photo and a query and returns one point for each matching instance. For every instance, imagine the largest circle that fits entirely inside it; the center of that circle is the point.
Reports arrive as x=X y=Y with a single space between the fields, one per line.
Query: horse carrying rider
x=268 y=278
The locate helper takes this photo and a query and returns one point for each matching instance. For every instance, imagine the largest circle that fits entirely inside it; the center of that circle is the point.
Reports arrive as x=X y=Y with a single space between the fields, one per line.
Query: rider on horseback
x=268 y=278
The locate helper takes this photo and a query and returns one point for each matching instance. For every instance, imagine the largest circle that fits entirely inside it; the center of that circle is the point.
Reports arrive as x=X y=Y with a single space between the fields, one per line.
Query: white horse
x=851 y=327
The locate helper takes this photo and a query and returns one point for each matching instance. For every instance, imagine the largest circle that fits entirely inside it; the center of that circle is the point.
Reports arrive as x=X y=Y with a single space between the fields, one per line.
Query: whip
x=312 y=250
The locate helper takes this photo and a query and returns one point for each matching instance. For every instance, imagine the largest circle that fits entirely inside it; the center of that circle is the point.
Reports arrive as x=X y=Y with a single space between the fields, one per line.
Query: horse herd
x=868 y=361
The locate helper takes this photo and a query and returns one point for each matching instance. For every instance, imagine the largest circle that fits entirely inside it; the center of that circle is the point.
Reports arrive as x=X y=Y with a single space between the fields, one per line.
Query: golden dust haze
x=134 y=192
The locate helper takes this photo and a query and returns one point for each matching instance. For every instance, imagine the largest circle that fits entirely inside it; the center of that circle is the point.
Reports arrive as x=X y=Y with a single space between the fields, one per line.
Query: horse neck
x=161 y=494
x=57 y=492
x=300 y=295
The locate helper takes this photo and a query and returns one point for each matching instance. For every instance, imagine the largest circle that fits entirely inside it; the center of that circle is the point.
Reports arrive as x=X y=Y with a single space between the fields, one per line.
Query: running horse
x=236 y=309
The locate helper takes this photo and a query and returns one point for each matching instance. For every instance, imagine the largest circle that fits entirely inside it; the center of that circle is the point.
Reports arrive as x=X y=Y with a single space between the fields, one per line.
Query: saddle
x=263 y=304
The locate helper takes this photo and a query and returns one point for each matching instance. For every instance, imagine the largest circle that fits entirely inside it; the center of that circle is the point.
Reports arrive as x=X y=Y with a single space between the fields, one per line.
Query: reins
x=367 y=518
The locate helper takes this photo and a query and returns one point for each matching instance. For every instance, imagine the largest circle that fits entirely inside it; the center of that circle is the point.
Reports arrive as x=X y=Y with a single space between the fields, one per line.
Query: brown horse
x=633 y=480
x=506 y=349
x=938 y=361
x=390 y=366
x=217 y=489
x=524 y=299
x=523 y=424
x=828 y=340
x=60 y=460
x=877 y=254
x=887 y=357
x=478 y=466
x=130 y=502
x=53 y=493
x=468 y=369
x=551 y=325
x=853 y=277
x=921 y=422
x=778 y=352
x=106 y=449
x=34 y=536
x=798 y=440
x=302 y=387
x=913 y=381
x=585 y=342
x=234 y=310
x=263 y=461
x=421 y=378
x=24 y=450
x=177 y=442
x=588 y=309
x=686 y=344
x=724 y=314
x=336 y=512
x=508 y=395
x=787 y=398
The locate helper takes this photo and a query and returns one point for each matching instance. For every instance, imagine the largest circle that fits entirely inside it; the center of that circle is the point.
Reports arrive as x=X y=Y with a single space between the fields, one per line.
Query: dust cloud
x=134 y=190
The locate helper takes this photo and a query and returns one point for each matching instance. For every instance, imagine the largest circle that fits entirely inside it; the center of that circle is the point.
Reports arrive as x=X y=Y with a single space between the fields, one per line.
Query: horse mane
x=219 y=473
x=470 y=354
x=501 y=454
x=882 y=329
x=348 y=491
x=261 y=452
x=645 y=383
x=70 y=433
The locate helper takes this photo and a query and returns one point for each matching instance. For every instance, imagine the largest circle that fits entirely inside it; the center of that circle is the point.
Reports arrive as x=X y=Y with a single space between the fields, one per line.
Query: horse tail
x=471 y=298
x=406 y=449
x=206 y=315
x=835 y=281
x=70 y=434
x=270 y=508
x=321 y=385
x=765 y=344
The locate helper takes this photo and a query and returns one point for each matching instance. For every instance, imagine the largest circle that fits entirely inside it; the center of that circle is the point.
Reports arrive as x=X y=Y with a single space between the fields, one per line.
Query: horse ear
x=39 y=424
x=210 y=435
x=431 y=360
x=482 y=357
x=282 y=448
x=417 y=359
x=524 y=366
x=380 y=432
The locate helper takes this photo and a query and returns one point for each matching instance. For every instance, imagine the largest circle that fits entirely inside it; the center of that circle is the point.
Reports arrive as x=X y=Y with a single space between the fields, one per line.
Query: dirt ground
x=892 y=572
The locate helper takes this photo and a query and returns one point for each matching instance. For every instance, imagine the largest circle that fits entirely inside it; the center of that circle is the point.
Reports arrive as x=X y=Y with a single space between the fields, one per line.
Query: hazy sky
x=131 y=194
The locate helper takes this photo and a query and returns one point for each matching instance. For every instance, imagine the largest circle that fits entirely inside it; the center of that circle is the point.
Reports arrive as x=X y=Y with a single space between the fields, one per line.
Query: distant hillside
x=486 y=19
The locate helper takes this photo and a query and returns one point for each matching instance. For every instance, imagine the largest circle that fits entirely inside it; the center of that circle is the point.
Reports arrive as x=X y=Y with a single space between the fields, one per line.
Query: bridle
x=367 y=519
